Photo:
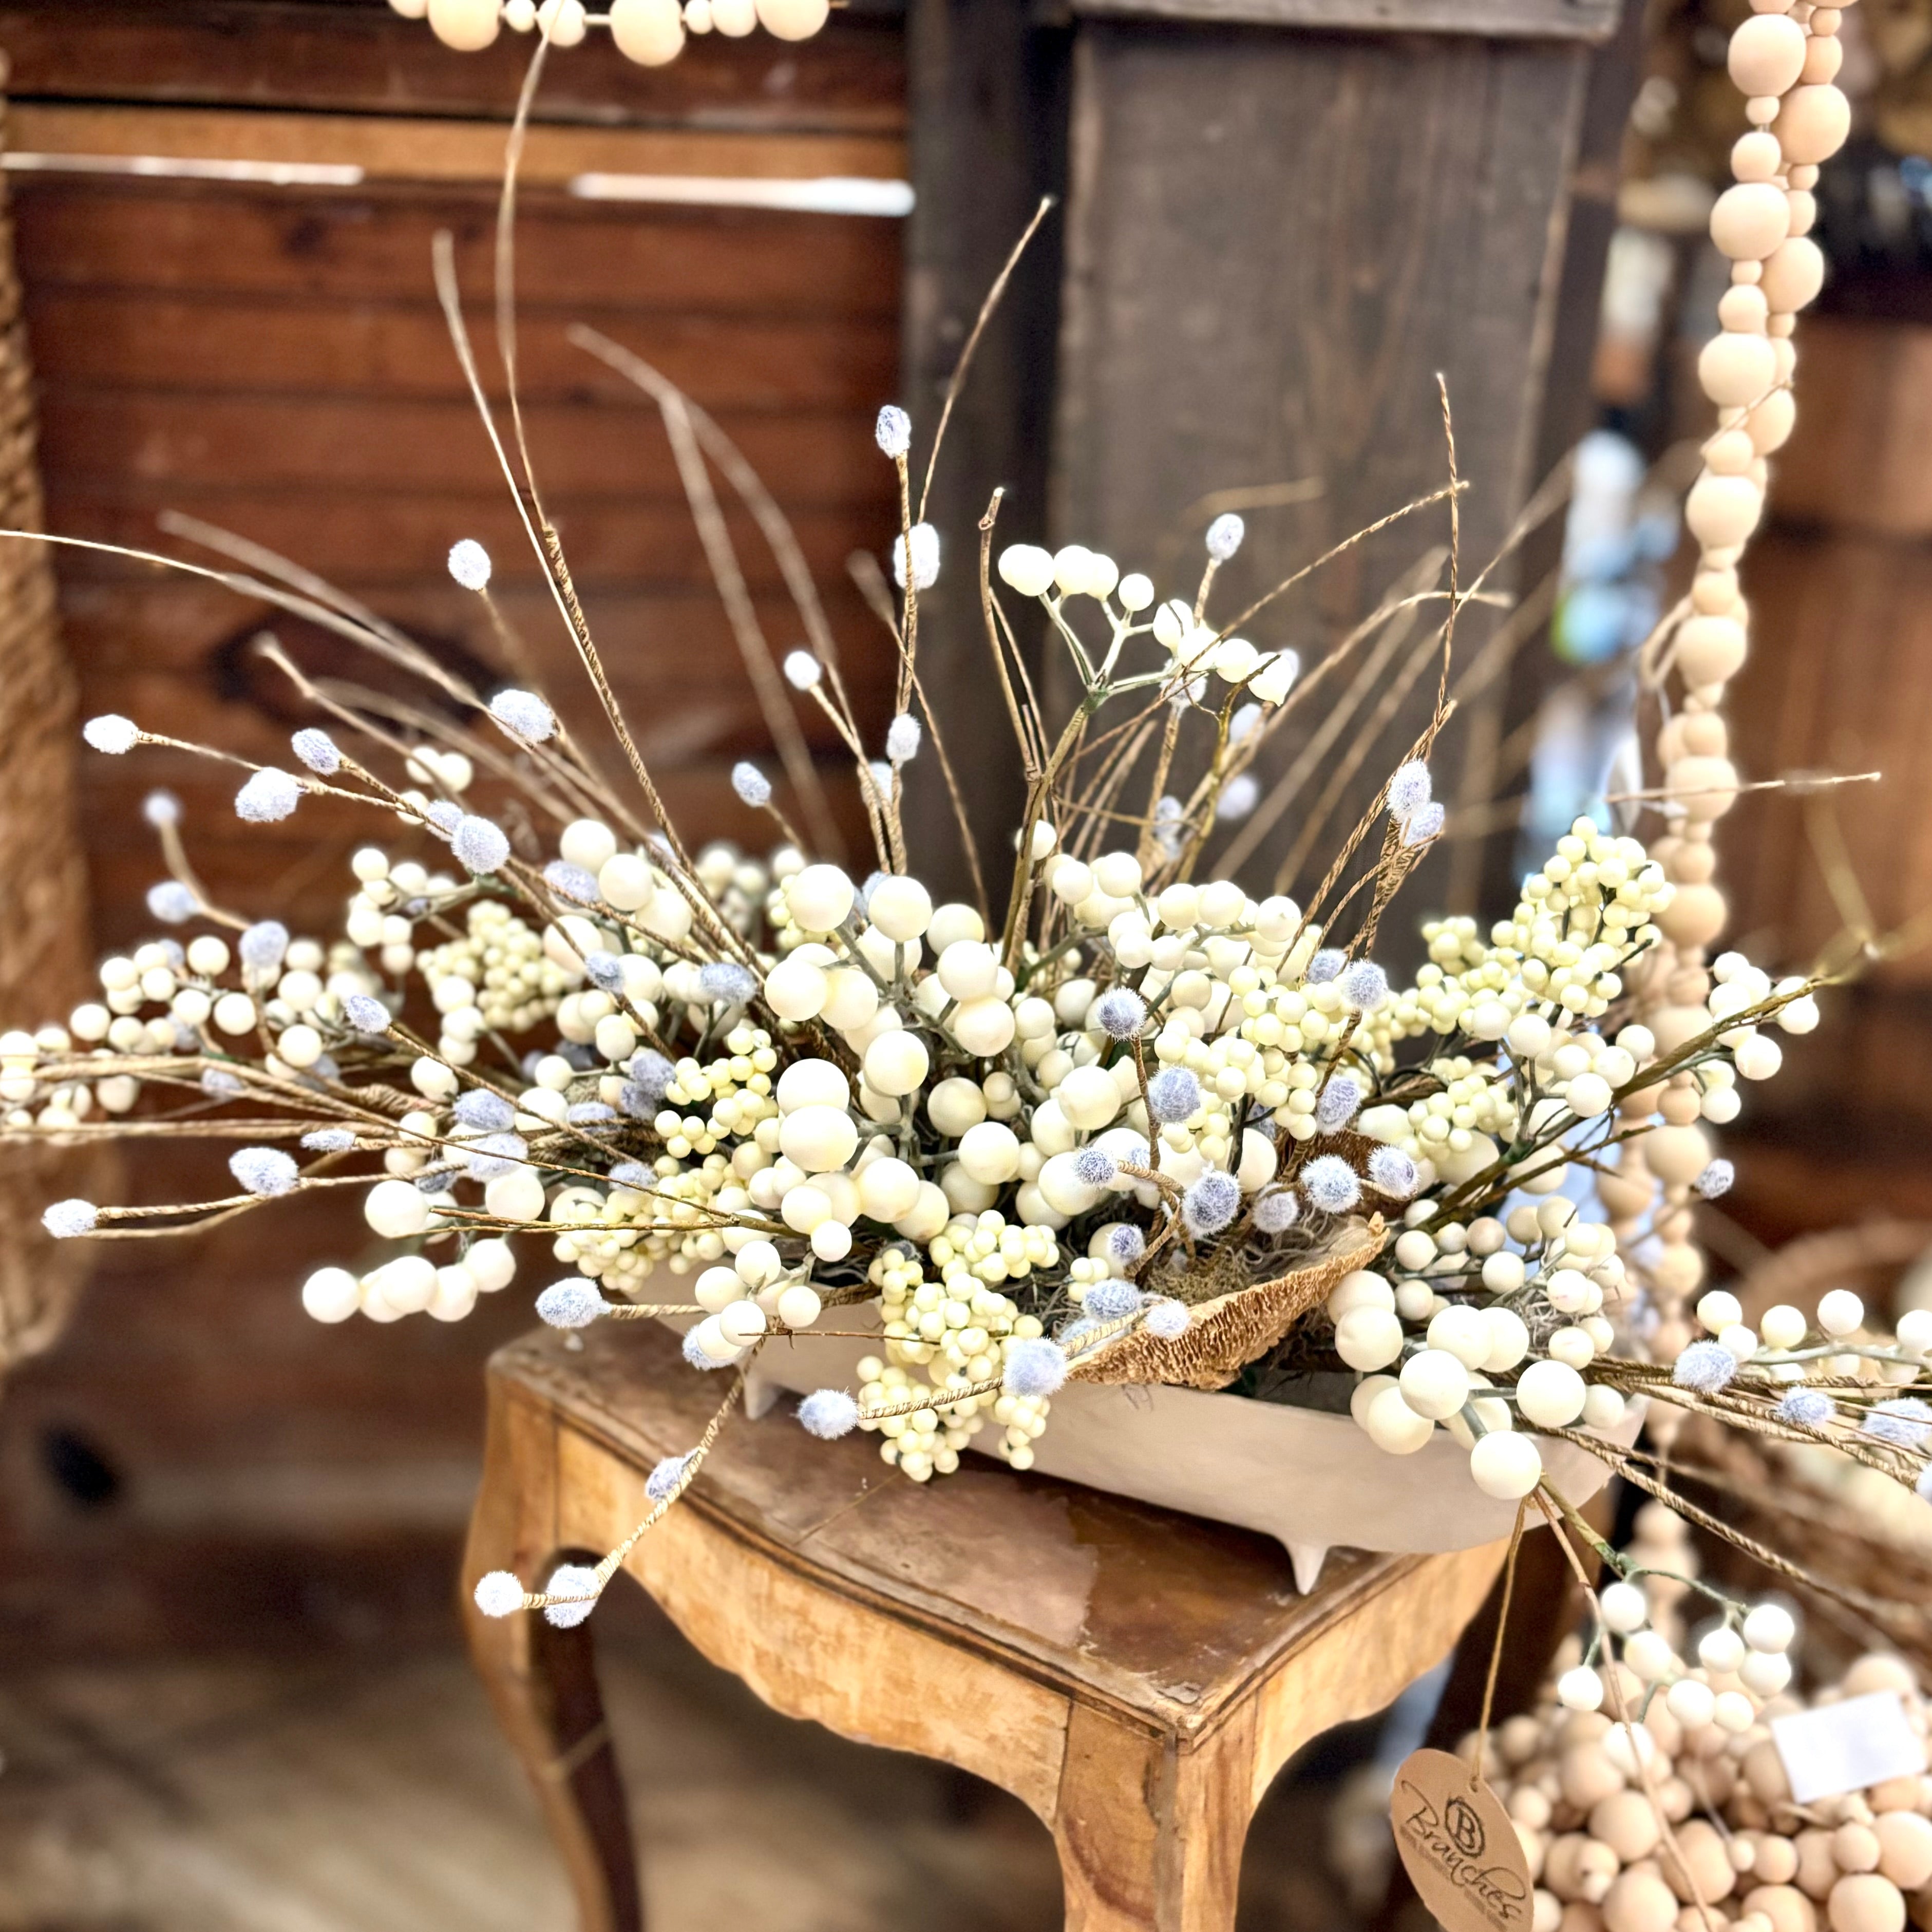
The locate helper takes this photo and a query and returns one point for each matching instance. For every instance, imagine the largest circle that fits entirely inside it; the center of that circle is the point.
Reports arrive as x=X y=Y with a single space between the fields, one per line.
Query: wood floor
x=360 y=1790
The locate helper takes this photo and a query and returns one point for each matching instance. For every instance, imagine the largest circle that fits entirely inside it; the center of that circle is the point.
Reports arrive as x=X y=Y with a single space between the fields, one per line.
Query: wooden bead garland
x=1710 y=1815
x=1783 y=57
x=651 y=32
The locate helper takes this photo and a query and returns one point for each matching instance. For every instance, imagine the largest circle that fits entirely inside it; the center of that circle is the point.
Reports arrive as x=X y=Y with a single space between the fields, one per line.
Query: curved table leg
x=1150 y=1836
x=543 y=1681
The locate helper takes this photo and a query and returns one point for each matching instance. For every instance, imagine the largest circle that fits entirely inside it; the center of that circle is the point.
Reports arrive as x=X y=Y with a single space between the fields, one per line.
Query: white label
x=1845 y=1747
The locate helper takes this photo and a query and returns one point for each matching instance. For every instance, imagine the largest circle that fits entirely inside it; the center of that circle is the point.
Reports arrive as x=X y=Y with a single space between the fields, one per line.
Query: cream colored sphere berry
x=716 y=1289
x=1550 y=1394
x=900 y=908
x=983 y=1027
x=800 y=1306
x=990 y=1153
x=1368 y=1338
x=396 y=1209
x=1435 y=1384
x=1506 y=1465
x=896 y=1063
x=812 y=1083
x=820 y=898
x=795 y=989
x=968 y=969
x=1089 y=1097
x=888 y=1190
x=1394 y=1427
x=1840 y=1312
x=818 y=1139
x=331 y=1294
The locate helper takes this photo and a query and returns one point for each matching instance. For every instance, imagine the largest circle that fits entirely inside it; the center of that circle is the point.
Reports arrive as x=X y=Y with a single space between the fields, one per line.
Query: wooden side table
x=1136 y=1677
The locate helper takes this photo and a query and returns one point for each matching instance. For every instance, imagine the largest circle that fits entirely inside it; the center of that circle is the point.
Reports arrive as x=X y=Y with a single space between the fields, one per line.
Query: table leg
x=1150 y=1836
x=543 y=1681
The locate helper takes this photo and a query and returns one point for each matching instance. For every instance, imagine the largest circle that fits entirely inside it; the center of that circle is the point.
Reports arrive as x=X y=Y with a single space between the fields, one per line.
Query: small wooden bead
x=464 y=25
x=1822 y=59
x=1748 y=221
x=1748 y=273
x=1730 y=453
x=1774 y=1861
x=1736 y=368
x=1817 y=1869
x=1804 y=177
x=1856 y=1847
x=1766 y=54
x=1825 y=20
x=1780 y=324
x=1784 y=361
x=1787 y=1908
x=1803 y=210
x=1812 y=123
x=1761 y=110
x=1756 y=156
x=1744 y=308
x=1793 y=273
x=1723 y=510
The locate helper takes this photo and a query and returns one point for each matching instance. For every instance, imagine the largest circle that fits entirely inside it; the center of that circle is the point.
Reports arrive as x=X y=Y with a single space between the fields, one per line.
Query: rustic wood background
x=271 y=359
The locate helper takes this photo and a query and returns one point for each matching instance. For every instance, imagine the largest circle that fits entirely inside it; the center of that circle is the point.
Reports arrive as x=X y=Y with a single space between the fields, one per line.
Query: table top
x=1172 y=1617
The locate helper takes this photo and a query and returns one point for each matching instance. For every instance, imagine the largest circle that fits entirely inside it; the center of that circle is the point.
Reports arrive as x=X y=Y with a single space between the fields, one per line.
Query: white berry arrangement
x=1103 y=1121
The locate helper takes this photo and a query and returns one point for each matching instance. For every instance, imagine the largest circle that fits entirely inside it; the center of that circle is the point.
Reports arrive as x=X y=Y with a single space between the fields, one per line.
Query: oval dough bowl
x=1310 y=1479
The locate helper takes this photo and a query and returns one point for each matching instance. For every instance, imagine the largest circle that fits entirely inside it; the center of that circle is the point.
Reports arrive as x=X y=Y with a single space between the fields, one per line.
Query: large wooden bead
x=1706 y=788
x=1734 y=369
x=1767 y=54
x=1904 y=1849
x=1794 y=272
x=1750 y=219
x=1723 y=511
x=650 y=32
x=1640 y=1901
x=1769 y=424
x=793 y=19
x=1710 y=1871
x=1864 y=1902
x=1812 y=123
x=1785 y=1905
x=1677 y=1155
x=1710 y=650
x=465 y=24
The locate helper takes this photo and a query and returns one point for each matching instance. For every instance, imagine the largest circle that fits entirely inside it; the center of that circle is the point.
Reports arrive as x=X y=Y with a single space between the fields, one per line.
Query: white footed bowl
x=1311 y=1480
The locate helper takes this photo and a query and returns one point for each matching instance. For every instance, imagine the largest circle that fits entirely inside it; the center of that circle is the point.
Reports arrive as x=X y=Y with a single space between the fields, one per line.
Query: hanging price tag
x=1846 y=1746
x=1459 y=1846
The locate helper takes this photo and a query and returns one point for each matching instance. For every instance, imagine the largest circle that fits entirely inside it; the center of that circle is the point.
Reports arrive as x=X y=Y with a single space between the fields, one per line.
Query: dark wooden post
x=1284 y=217
x=988 y=100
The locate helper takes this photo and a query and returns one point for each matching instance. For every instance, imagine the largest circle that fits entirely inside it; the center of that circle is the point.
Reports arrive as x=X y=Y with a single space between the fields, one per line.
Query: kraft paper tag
x=1459 y=1846
x=1846 y=1746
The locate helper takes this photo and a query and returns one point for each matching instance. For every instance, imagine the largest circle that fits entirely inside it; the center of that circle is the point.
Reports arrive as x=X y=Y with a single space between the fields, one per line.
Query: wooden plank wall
x=270 y=358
